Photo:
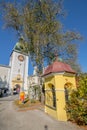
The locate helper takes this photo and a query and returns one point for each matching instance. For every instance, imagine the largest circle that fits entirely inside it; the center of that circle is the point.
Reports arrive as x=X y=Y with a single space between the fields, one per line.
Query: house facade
x=15 y=75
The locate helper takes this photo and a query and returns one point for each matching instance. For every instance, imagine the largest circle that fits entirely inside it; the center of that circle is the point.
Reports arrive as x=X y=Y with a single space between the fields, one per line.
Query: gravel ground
x=13 y=119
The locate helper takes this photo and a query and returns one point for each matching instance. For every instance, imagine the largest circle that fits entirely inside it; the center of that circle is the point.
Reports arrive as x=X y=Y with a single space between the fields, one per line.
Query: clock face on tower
x=21 y=58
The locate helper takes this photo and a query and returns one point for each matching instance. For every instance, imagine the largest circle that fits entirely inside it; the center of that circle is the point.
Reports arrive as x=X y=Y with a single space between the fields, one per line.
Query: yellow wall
x=51 y=112
x=15 y=81
x=59 y=81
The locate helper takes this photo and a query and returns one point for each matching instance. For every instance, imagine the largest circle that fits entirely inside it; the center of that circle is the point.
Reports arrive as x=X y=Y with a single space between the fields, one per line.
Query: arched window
x=50 y=96
x=67 y=87
x=16 y=89
x=66 y=94
x=54 y=96
x=43 y=89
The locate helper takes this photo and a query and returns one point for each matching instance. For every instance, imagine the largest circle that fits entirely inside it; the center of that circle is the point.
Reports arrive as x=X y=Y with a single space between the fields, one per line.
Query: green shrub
x=33 y=101
x=77 y=104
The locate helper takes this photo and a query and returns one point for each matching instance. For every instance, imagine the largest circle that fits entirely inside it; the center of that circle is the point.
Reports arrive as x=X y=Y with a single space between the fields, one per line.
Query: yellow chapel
x=59 y=77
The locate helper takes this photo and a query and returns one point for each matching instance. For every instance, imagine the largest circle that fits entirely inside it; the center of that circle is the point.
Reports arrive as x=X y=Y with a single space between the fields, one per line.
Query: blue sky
x=76 y=19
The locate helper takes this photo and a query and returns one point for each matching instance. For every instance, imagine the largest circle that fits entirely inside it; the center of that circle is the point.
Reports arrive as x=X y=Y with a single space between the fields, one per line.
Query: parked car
x=3 y=92
x=14 y=91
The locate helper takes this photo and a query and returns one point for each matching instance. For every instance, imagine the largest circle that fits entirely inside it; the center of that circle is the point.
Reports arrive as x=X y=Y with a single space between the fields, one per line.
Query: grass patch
x=33 y=101
x=27 y=103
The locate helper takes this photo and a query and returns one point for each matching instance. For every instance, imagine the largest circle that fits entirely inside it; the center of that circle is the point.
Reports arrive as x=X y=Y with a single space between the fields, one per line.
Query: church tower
x=18 y=73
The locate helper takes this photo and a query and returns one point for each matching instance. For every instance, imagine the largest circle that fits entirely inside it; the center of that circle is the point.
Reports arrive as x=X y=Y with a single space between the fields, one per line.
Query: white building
x=4 y=76
x=15 y=75
x=34 y=86
x=18 y=73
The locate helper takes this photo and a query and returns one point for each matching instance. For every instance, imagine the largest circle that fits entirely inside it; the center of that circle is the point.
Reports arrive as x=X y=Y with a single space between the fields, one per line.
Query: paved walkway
x=12 y=119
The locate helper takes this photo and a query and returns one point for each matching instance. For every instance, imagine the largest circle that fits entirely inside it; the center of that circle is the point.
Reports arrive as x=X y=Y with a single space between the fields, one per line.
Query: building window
x=67 y=88
x=50 y=95
x=54 y=96
x=66 y=94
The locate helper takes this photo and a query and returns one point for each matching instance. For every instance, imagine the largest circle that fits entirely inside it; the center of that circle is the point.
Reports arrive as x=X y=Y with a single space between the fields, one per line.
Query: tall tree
x=38 y=22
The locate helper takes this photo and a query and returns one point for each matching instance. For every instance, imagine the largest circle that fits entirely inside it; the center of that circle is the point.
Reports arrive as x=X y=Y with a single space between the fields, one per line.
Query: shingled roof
x=57 y=67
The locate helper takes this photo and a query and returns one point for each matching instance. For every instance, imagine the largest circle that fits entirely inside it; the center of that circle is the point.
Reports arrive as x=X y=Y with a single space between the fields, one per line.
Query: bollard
x=22 y=97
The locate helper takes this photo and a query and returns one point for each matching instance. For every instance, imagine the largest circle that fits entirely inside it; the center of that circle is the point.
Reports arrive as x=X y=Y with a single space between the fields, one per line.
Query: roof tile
x=58 y=67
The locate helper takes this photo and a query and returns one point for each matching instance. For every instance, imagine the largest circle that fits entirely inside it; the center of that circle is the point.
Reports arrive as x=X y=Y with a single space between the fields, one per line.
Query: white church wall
x=11 y=65
x=33 y=80
x=19 y=66
x=4 y=76
x=26 y=73
x=17 y=72
x=34 y=86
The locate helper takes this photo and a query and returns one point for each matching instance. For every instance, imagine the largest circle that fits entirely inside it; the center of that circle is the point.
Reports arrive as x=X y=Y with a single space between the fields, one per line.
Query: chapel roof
x=57 y=67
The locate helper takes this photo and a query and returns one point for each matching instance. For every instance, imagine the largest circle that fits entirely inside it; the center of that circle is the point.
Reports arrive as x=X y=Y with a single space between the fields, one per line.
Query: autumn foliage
x=77 y=104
